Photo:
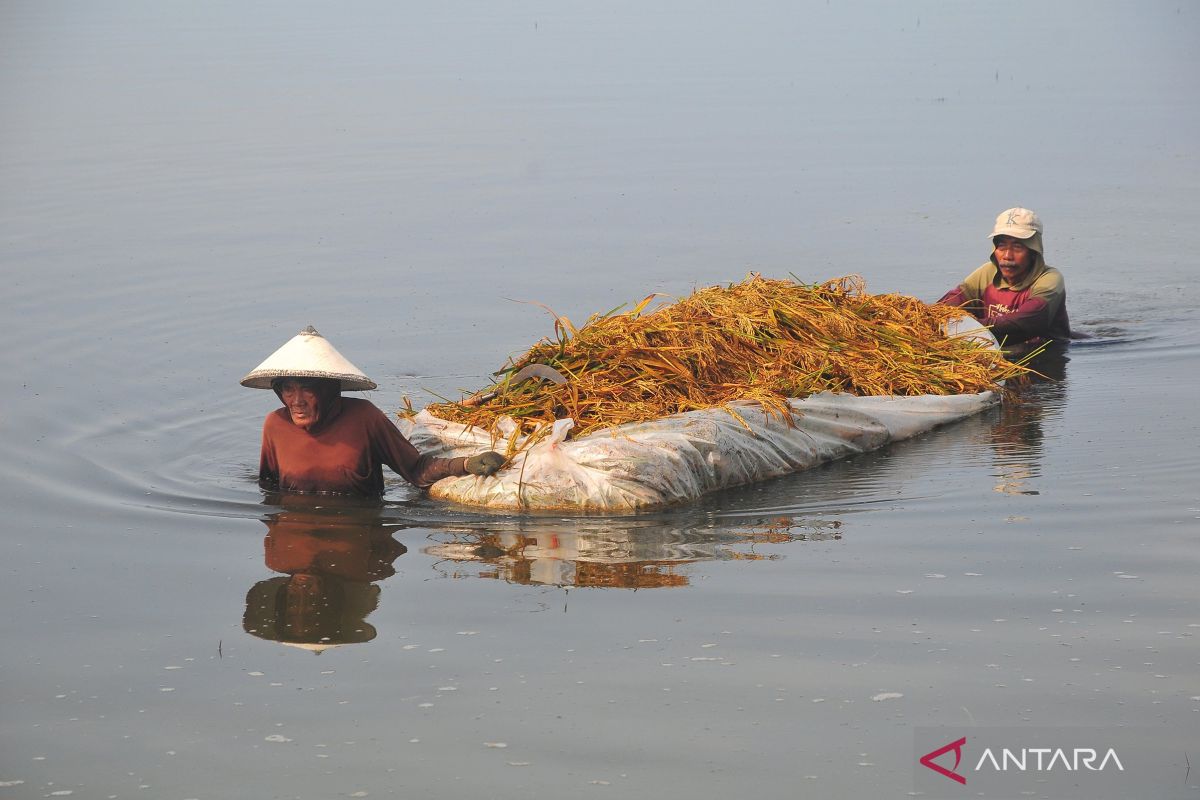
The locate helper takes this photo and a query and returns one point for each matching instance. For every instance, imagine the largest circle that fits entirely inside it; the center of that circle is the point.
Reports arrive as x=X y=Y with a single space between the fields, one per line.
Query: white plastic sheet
x=679 y=458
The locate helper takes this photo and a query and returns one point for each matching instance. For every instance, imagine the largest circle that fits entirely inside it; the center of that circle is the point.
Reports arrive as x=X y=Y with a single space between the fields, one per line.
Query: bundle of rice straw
x=763 y=340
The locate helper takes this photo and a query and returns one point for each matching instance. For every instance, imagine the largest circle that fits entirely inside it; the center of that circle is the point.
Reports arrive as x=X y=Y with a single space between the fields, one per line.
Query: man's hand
x=484 y=463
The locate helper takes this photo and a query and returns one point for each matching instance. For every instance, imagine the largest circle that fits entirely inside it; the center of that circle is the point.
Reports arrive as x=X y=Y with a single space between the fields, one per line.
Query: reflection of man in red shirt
x=329 y=558
x=321 y=442
x=1016 y=294
x=352 y=543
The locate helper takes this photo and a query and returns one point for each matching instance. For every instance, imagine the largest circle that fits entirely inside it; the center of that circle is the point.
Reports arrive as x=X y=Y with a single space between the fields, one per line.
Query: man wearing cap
x=321 y=442
x=1015 y=294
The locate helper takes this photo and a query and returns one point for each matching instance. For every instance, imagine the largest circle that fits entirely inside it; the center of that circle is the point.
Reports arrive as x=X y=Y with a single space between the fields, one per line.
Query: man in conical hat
x=321 y=442
x=1016 y=294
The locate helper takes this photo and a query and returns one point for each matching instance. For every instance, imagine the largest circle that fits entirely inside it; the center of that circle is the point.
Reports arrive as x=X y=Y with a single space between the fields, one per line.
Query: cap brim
x=1016 y=233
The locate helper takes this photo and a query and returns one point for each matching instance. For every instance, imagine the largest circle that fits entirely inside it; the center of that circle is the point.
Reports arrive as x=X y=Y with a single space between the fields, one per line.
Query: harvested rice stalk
x=762 y=340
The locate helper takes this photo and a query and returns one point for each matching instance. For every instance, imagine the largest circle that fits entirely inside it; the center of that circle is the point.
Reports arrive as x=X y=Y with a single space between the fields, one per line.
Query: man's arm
x=968 y=295
x=958 y=298
x=268 y=463
x=421 y=470
x=398 y=453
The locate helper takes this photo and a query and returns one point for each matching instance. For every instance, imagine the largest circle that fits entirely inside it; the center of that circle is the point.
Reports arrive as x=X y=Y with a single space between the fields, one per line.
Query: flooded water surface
x=186 y=187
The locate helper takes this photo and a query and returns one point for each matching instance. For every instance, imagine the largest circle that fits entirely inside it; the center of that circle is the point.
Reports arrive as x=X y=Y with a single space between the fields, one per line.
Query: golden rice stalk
x=762 y=340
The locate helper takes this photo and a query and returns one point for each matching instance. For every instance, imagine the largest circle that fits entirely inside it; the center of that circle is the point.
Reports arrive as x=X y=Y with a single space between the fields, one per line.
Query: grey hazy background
x=184 y=186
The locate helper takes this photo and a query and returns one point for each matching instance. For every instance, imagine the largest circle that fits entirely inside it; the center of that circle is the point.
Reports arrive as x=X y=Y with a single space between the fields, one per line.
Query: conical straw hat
x=308 y=355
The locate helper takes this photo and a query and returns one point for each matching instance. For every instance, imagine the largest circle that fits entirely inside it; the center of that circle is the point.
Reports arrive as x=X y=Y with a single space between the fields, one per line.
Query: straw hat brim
x=261 y=379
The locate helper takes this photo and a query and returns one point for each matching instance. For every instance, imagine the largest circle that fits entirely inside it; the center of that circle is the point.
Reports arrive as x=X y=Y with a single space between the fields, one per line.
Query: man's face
x=302 y=402
x=1013 y=258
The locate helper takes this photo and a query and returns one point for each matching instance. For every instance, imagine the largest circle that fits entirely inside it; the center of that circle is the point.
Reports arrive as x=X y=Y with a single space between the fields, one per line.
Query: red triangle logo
x=927 y=760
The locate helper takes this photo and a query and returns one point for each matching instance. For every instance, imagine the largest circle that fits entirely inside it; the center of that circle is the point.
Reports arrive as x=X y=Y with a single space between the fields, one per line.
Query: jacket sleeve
x=398 y=453
x=1033 y=317
x=968 y=295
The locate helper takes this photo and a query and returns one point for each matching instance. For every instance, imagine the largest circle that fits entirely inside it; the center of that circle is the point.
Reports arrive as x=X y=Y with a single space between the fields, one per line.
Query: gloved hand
x=484 y=463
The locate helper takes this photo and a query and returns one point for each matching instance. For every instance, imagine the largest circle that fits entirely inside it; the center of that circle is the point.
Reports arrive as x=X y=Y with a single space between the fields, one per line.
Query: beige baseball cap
x=308 y=355
x=1020 y=223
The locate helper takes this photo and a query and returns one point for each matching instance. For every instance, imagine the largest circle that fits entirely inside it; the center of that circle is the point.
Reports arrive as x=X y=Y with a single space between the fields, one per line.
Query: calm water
x=185 y=186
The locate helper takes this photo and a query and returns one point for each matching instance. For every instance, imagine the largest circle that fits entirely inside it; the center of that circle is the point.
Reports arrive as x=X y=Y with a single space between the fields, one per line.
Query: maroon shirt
x=1032 y=310
x=344 y=453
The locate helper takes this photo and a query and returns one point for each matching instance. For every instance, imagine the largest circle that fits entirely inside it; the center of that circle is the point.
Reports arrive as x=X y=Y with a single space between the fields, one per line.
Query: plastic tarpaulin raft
x=682 y=457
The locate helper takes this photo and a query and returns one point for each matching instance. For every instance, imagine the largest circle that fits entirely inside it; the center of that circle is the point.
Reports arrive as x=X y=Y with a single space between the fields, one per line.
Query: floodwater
x=185 y=186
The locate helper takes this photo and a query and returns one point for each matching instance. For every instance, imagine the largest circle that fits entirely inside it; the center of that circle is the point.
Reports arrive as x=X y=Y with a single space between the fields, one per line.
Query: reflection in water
x=611 y=556
x=1017 y=436
x=329 y=553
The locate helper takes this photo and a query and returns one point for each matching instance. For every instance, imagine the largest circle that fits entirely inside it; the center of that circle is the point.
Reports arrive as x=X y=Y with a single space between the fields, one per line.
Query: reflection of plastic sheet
x=328 y=558
x=627 y=558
